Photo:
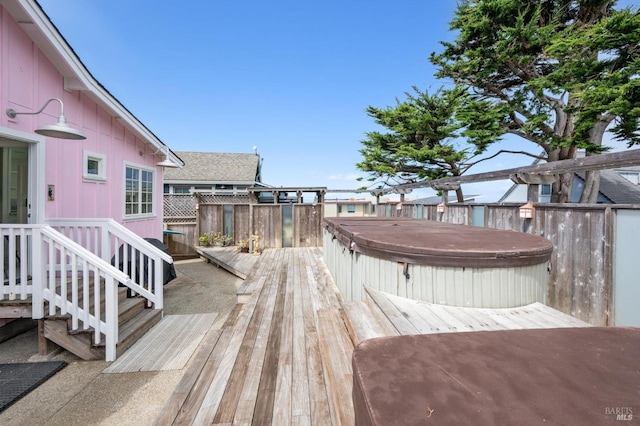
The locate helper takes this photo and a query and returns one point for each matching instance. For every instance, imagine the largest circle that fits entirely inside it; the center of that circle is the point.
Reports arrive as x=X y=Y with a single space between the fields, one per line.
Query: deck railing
x=77 y=265
x=51 y=268
x=118 y=246
x=14 y=270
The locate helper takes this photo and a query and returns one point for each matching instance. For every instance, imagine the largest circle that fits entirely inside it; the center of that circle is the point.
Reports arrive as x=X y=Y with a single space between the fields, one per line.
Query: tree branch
x=504 y=151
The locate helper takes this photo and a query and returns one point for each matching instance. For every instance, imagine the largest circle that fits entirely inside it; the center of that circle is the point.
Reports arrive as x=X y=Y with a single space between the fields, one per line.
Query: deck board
x=282 y=398
x=263 y=413
x=433 y=318
x=300 y=405
x=318 y=400
x=336 y=349
x=247 y=400
x=190 y=388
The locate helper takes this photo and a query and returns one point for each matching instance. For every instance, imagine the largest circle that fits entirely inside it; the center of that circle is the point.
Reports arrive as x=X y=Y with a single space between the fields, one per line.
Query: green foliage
x=558 y=73
x=555 y=72
x=421 y=141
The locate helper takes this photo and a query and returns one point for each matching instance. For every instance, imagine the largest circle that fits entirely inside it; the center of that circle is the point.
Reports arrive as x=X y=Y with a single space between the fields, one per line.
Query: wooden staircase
x=134 y=320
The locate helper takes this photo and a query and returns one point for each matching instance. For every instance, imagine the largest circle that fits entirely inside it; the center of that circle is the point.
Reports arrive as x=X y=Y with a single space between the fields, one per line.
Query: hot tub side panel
x=504 y=287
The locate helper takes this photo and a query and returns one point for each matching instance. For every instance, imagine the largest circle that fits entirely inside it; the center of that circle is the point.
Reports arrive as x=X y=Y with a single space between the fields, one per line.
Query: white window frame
x=154 y=196
x=545 y=189
x=182 y=189
x=102 y=166
x=633 y=177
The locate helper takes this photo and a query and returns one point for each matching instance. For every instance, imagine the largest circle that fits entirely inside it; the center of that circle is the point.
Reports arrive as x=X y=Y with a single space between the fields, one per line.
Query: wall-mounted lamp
x=60 y=130
x=166 y=162
x=527 y=211
x=440 y=208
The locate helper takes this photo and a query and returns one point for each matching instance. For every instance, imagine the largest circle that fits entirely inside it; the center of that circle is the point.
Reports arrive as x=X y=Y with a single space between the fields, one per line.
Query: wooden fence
x=582 y=274
x=278 y=225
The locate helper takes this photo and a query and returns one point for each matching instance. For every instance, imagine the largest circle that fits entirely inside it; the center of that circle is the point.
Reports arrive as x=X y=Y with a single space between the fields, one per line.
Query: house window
x=339 y=208
x=181 y=189
x=139 y=187
x=351 y=208
x=95 y=166
x=545 y=189
x=223 y=189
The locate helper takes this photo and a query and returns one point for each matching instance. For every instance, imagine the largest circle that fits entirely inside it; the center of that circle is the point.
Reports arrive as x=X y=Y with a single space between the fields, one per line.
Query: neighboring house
x=103 y=191
x=632 y=174
x=217 y=173
x=348 y=208
x=618 y=186
x=435 y=200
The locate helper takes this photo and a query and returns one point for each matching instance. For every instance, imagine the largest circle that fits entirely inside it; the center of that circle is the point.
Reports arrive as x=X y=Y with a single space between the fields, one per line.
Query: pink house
x=68 y=205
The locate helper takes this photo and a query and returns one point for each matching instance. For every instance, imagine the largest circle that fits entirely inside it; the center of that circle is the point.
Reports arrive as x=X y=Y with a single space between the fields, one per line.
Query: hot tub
x=436 y=262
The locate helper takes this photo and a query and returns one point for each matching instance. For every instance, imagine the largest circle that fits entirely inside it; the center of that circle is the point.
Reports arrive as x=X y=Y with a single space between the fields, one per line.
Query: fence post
x=158 y=283
x=105 y=244
x=198 y=231
x=37 y=274
x=111 y=318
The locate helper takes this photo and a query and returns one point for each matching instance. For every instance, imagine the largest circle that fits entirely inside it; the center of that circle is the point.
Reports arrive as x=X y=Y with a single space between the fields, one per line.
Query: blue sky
x=291 y=78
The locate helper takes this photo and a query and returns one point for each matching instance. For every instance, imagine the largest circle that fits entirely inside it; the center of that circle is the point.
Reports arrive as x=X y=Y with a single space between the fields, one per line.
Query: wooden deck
x=284 y=356
x=383 y=314
x=267 y=364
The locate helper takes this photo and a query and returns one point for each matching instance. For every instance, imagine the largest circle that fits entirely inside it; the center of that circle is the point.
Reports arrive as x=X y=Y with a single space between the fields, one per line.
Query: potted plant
x=221 y=240
x=243 y=246
x=204 y=239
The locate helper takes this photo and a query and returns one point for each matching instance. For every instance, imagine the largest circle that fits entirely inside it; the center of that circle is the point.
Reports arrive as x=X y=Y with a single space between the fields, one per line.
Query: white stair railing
x=115 y=244
x=14 y=271
x=54 y=269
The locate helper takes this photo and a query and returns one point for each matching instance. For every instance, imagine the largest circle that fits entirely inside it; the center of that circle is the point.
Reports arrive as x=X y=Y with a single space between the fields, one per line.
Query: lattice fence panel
x=179 y=206
x=224 y=199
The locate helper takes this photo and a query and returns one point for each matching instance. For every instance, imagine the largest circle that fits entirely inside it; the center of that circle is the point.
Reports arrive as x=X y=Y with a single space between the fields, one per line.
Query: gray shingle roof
x=616 y=188
x=215 y=167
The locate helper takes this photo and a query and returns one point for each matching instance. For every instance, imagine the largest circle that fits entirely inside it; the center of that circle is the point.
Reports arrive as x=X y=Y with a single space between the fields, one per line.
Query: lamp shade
x=167 y=163
x=60 y=130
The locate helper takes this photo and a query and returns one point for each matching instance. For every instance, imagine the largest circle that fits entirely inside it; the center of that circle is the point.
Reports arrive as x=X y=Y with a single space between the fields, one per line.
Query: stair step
x=366 y=322
x=133 y=319
x=129 y=308
x=378 y=302
x=80 y=344
x=15 y=308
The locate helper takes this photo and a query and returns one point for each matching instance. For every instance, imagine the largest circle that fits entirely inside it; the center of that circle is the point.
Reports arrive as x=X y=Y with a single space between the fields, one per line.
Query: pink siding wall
x=27 y=80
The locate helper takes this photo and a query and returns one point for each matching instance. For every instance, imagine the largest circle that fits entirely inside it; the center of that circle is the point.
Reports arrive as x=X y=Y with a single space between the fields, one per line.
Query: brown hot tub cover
x=428 y=242
x=570 y=376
